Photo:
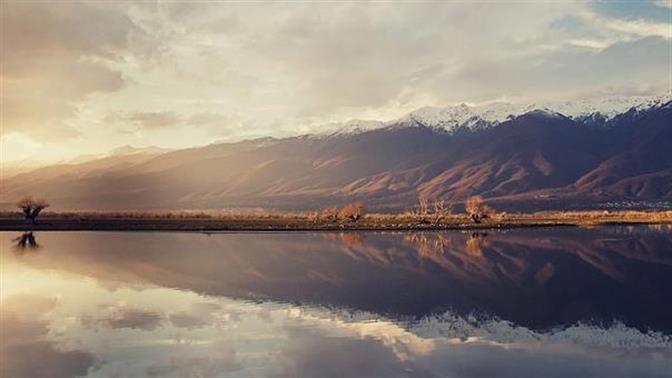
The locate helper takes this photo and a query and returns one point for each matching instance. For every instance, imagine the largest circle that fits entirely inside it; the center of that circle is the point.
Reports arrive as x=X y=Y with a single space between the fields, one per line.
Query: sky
x=87 y=77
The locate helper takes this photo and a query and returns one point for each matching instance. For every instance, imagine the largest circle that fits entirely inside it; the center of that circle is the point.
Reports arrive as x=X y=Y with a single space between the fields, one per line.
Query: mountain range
x=536 y=156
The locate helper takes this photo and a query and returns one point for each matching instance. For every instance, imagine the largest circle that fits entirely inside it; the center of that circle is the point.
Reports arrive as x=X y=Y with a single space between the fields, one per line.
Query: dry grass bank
x=221 y=221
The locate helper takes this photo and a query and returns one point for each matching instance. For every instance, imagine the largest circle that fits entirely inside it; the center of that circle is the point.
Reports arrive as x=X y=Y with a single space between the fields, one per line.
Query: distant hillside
x=537 y=159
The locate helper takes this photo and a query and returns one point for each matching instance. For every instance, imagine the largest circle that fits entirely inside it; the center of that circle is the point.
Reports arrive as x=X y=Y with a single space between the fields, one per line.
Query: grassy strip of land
x=190 y=221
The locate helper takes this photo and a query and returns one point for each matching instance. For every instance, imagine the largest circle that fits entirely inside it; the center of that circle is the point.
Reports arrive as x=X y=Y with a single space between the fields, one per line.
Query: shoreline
x=278 y=223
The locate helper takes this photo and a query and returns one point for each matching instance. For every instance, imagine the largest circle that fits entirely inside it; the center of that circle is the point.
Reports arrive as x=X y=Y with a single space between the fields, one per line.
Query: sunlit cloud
x=179 y=74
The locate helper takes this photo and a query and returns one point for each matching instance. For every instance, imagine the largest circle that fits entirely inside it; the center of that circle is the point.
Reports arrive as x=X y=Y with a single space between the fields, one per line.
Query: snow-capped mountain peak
x=451 y=118
x=354 y=126
x=473 y=117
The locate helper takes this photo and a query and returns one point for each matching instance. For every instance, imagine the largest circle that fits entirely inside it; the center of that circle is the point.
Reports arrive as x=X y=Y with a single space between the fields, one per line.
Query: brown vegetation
x=434 y=213
x=352 y=212
x=477 y=209
x=355 y=218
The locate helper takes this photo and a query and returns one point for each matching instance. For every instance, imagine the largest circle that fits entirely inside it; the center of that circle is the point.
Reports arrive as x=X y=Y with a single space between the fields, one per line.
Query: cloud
x=641 y=27
x=183 y=74
x=663 y=3
x=144 y=120
x=572 y=71
x=55 y=57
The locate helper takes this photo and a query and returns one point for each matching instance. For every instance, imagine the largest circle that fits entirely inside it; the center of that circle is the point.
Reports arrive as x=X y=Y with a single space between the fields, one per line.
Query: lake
x=557 y=302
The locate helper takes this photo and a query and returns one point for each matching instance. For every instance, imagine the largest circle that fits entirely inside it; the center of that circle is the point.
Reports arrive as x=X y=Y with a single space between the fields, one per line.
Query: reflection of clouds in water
x=30 y=305
x=258 y=339
x=454 y=346
x=122 y=316
x=397 y=338
x=198 y=315
x=155 y=331
x=311 y=353
x=225 y=360
x=25 y=347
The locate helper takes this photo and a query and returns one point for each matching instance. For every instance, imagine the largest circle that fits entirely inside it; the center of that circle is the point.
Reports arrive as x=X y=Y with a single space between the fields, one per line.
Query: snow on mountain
x=609 y=107
x=451 y=118
x=354 y=126
x=463 y=116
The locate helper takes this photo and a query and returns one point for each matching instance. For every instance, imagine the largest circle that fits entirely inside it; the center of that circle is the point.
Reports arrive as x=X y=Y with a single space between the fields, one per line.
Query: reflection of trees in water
x=476 y=242
x=514 y=256
x=352 y=239
x=436 y=244
x=25 y=242
x=464 y=255
x=429 y=244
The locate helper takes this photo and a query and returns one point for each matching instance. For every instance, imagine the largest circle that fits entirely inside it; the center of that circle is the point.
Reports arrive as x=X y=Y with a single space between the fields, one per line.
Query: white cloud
x=627 y=28
x=281 y=68
x=664 y=3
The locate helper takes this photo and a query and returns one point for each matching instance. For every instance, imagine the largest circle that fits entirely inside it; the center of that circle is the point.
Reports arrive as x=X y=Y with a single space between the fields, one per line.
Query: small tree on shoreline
x=477 y=209
x=352 y=212
x=31 y=208
x=430 y=213
x=441 y=211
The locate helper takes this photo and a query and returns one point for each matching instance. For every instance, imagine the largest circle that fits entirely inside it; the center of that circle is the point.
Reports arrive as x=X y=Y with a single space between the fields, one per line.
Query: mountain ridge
x=535 y=160
x=599 y=110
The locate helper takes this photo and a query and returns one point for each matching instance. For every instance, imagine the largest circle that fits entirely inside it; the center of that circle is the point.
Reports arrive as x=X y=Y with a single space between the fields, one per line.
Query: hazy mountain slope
x=538 y=156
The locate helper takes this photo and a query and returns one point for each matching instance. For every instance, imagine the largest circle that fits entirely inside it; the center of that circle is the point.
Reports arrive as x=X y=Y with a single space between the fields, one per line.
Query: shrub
x=352 y=212
x=477 y=209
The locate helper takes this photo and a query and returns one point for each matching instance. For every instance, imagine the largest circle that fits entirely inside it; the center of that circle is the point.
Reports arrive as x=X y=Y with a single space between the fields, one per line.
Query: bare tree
x=433 y=212
x=441 y=211
x=477 y=209
x=422 y=211
x=31 y=208
x=352 y=212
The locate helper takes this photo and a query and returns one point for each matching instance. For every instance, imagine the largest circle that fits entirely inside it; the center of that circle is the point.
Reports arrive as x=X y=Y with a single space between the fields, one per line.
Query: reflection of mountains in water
x=536 y=278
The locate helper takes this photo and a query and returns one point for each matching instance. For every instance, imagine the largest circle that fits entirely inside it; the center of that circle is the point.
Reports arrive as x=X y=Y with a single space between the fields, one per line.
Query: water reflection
x=25 y=242
x=25 y=340
x=566 y=302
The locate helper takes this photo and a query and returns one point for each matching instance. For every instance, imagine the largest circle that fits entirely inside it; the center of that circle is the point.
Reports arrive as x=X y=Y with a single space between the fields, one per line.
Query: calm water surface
x=553 y=302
